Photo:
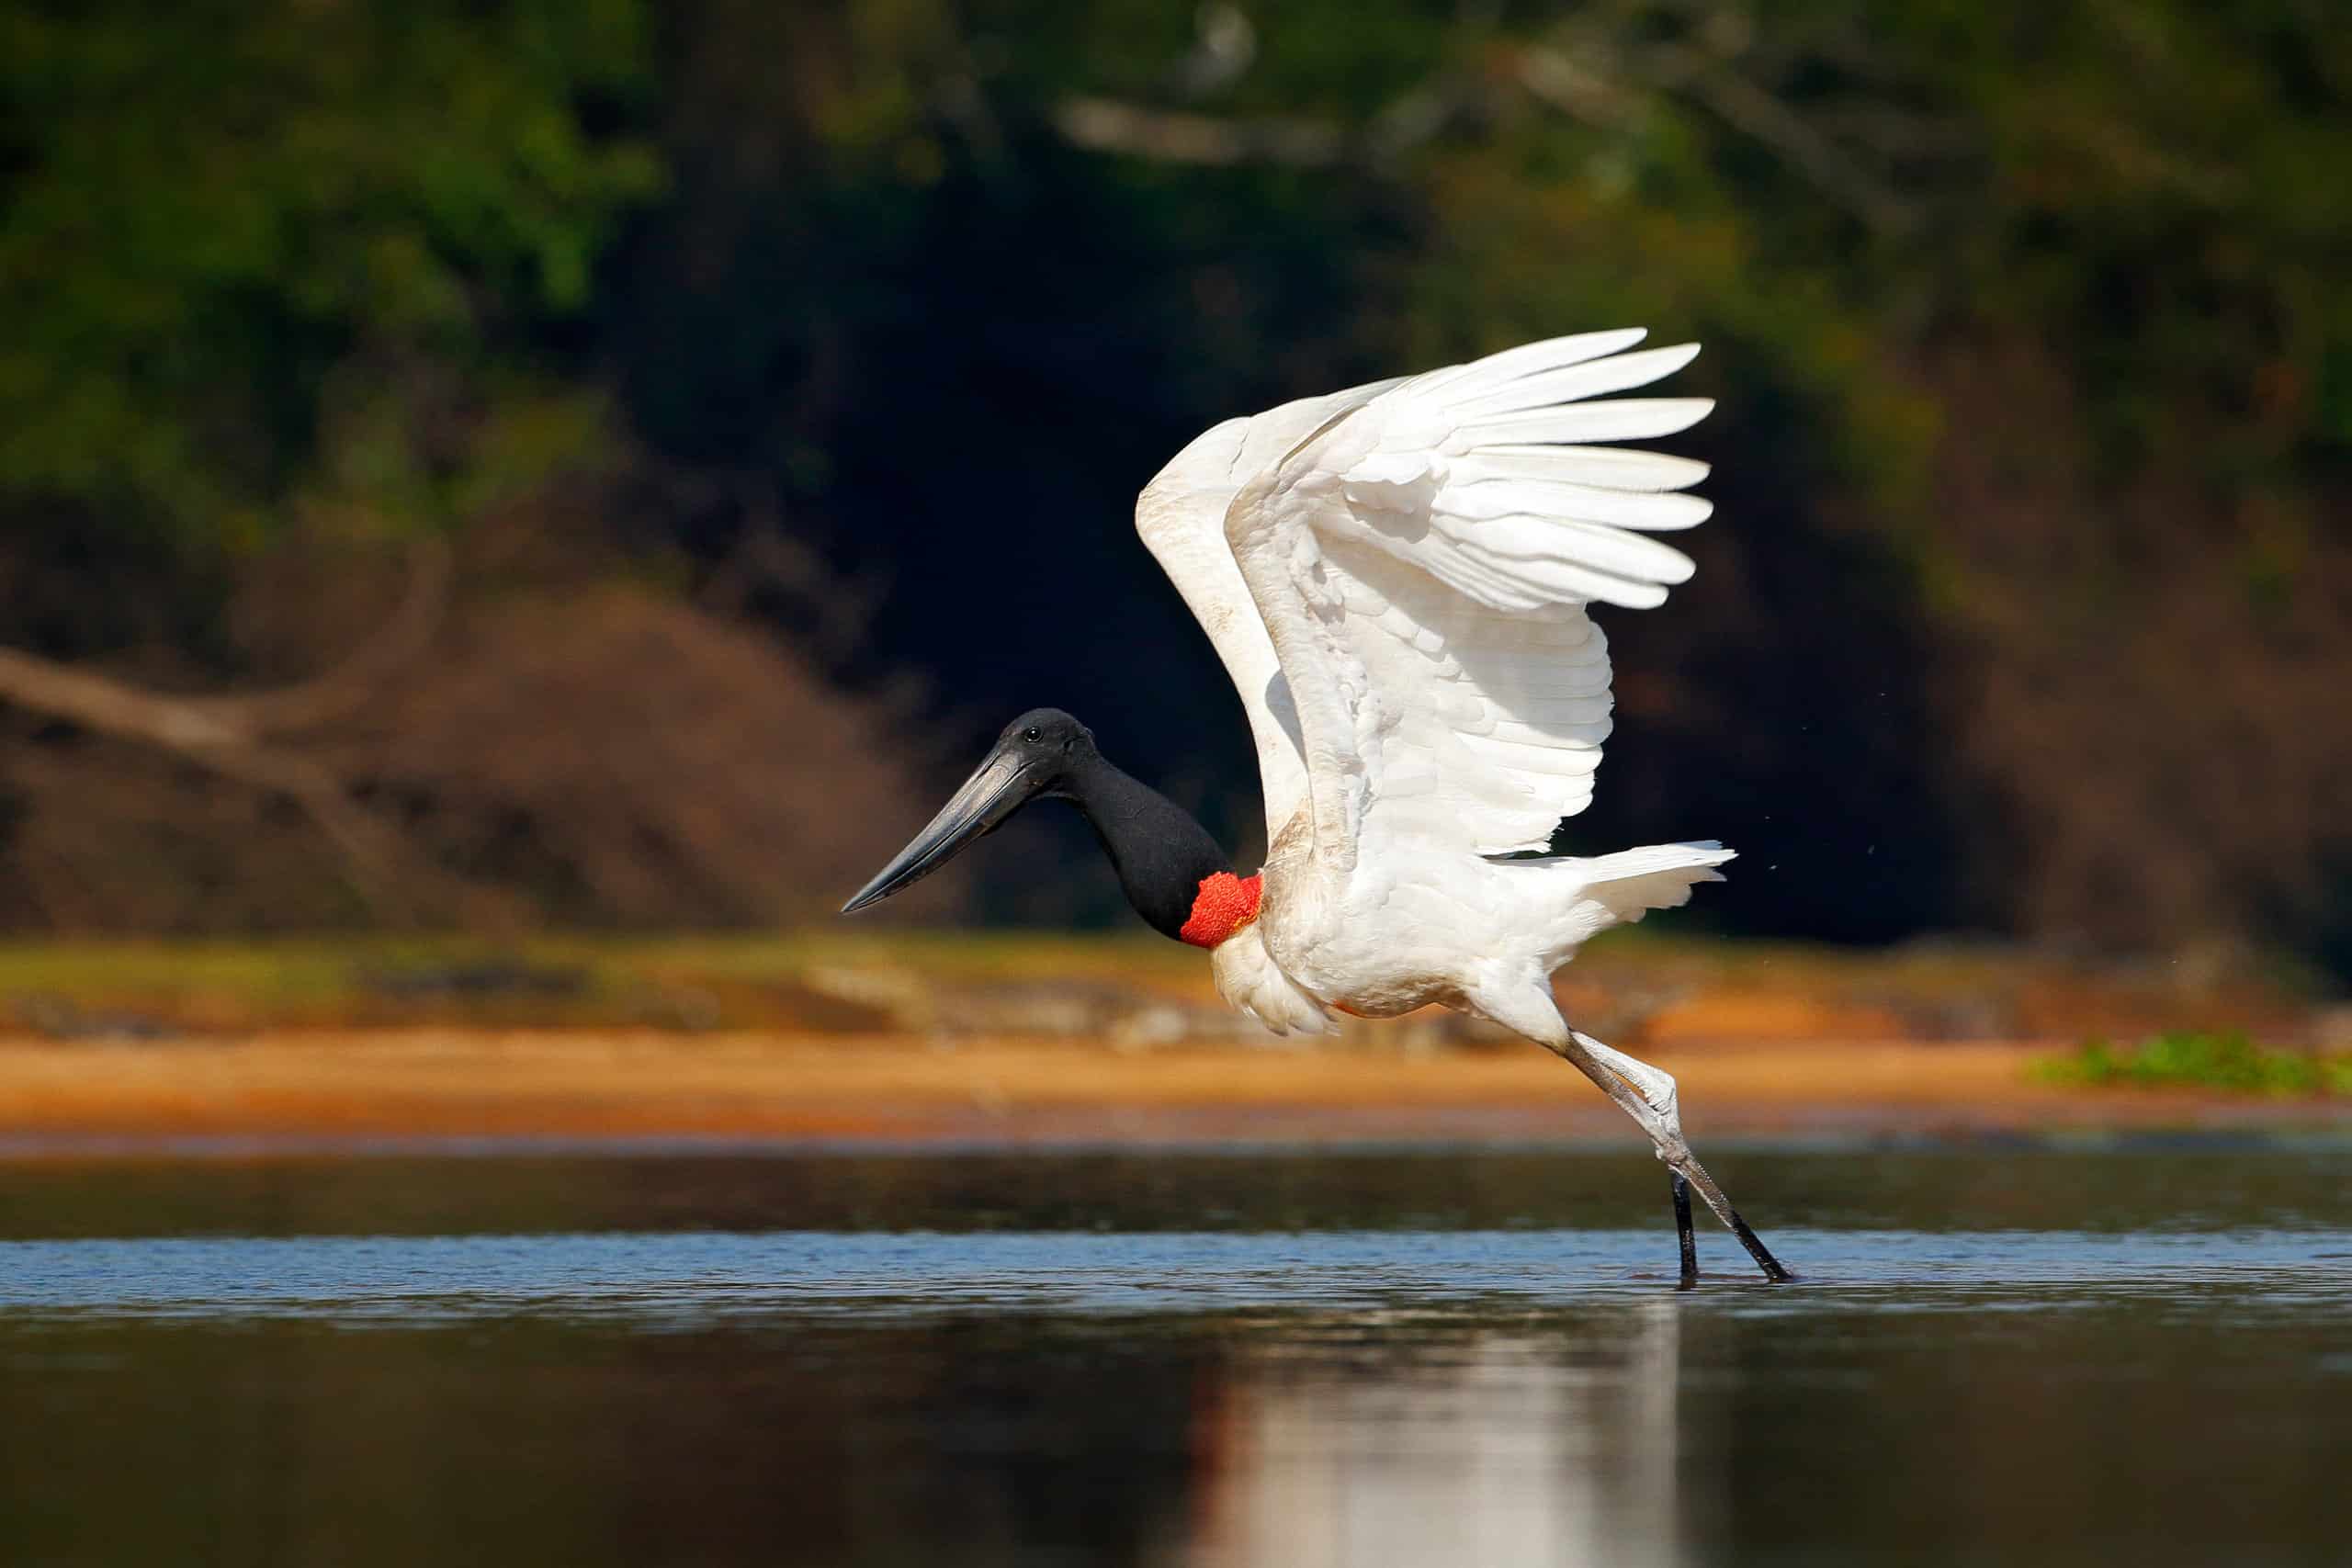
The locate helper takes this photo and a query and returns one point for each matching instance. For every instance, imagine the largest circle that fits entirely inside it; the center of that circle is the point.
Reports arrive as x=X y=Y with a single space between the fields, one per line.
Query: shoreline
x=461 y=1090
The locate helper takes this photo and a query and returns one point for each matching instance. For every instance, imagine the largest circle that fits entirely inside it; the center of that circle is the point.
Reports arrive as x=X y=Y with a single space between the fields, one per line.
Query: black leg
x=1756 y=1249
x=1647 y=1095
x=1682 y=1231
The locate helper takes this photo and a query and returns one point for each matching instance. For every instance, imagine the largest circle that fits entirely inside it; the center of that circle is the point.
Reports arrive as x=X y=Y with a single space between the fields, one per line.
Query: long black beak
x=1000 y=786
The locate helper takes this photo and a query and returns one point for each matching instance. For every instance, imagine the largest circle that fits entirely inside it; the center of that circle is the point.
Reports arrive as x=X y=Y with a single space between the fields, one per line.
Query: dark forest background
x=585 y=462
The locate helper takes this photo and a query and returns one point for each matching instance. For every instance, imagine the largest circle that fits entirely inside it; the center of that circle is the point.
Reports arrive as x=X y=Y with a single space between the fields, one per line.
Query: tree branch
x=397 y=643
x=1608 y=95
x=111 y=707
x=1748 y=109
x=227 y=736
x=1174 y=136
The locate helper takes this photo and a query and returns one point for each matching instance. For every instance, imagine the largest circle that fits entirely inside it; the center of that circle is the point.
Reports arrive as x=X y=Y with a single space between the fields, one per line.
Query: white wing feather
x=1180 y=515
x=1420 y=559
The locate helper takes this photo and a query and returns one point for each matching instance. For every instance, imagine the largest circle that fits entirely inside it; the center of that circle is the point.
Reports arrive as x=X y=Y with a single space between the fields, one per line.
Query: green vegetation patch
x=2224 y=1061
x=819 y=981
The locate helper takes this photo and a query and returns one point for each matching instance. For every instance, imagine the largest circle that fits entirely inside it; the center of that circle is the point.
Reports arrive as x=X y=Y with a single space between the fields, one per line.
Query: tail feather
x=1618 y=889
x=1656 y=876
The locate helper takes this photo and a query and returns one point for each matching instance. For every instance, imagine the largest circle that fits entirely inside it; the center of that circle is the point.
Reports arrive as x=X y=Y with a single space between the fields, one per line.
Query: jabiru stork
x=1398 y=578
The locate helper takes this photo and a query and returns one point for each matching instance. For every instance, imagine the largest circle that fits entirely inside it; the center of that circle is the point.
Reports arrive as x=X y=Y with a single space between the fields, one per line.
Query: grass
x=558 y=980
x=2228 y=1061
x=855 y=977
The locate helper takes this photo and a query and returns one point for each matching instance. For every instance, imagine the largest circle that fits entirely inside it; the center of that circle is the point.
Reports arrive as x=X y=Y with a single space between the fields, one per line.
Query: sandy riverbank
x=313 y=1087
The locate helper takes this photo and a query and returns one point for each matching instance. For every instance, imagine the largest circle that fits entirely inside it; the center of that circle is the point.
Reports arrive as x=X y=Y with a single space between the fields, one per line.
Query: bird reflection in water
x=1496 y=1449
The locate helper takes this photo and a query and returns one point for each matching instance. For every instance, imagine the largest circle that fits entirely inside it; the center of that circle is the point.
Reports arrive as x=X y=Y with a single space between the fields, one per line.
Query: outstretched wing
x=1420 y=560
x=1180 y=515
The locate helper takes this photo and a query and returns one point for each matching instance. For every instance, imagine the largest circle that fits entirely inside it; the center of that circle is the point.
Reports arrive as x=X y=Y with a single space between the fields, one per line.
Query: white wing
x=1420 y=560
x=1180 y=515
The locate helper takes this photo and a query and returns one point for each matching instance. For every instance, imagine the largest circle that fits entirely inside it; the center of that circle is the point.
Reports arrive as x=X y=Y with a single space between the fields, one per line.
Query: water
x=2003 y=1355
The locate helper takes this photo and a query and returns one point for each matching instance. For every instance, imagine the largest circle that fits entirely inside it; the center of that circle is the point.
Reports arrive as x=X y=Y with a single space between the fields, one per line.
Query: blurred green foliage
x=2028 y=324
x=237 y=238
x=257 y=253
x=2229 y=1061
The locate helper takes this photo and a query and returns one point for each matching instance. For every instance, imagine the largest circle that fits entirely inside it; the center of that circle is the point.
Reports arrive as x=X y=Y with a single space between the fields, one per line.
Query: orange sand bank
x=611 y=1084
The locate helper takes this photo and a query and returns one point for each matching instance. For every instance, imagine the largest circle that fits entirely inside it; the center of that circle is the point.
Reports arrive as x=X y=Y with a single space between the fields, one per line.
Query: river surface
x=2137 y=1353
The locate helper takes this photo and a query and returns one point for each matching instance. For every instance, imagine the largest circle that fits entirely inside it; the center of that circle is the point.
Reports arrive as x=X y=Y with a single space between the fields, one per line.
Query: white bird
x=1396 y=579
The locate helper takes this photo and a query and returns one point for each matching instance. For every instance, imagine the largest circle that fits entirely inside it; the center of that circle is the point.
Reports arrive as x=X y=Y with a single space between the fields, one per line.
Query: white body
x=1396 y=578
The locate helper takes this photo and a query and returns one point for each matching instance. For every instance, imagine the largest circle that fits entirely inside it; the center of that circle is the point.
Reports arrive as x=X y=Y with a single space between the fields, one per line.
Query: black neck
x=1160 y=852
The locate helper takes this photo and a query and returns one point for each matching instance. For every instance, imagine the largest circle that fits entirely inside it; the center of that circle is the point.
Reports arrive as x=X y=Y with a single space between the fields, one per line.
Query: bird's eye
x=1033 y=733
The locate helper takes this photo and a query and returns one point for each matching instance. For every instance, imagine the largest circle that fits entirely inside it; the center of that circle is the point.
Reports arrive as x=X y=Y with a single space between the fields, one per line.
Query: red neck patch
x=1224 y=904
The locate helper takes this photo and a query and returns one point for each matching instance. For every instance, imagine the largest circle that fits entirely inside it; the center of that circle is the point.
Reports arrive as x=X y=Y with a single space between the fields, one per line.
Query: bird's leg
x=1682 y=1235
x=1649 y=1097
x=1658 y=1095
x=1641 y=1091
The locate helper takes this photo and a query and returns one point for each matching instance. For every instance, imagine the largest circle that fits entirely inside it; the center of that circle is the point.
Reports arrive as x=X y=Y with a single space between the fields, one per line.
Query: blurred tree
x=289 y=284
x=869 y=318
x=264 y=261
x=284 y=267
x=2036 y=428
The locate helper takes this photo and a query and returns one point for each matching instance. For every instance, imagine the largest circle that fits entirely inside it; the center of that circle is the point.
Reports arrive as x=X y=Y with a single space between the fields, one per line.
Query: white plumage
x=1396 y=576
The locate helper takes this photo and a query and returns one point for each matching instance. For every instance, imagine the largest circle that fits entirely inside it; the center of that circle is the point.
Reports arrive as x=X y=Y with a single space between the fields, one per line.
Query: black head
x=1039 y=754
x=1160 y=853
x=1052 y=743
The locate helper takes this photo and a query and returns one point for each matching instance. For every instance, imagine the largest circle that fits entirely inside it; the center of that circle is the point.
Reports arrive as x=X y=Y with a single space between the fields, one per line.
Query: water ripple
x=657 y=1275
